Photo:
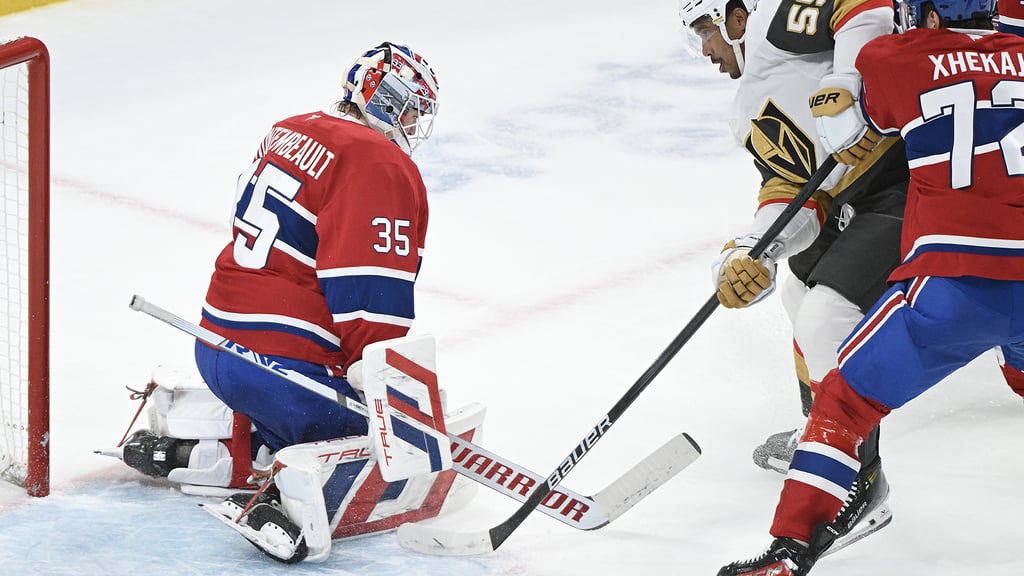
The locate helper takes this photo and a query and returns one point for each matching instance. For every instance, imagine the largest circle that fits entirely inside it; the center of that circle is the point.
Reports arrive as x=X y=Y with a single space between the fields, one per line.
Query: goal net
x=24 y=264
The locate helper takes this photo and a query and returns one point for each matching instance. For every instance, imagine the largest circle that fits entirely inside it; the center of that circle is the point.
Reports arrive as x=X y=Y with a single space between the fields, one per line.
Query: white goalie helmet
x=396 y=91
x=691 y=11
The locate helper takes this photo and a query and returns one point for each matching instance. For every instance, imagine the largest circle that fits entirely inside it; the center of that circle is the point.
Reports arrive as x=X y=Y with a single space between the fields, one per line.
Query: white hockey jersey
x=792 y=49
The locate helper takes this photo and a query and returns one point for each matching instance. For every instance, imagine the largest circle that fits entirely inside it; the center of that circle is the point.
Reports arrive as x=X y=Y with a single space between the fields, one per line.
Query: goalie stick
x=466 y=543
x=611 y=502
x=482 y=466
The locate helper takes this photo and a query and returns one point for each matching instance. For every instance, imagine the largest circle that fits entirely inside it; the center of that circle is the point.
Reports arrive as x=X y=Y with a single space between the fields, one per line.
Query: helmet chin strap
x=737 y=46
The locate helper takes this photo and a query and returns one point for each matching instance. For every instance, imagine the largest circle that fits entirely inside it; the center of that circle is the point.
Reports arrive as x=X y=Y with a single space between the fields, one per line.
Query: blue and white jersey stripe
x=1011 y=25
x=965 y=245
x=273 y=322
x=375 y=294
x=824 y=467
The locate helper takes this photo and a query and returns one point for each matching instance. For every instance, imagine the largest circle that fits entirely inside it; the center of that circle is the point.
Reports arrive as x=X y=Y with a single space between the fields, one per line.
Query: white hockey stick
x=611 y=502
x=472 y=461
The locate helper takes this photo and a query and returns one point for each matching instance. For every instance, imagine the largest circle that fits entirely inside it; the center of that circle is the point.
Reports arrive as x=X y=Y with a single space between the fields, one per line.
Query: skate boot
x=236 y=503
x=265 y=525
x=777 y=451
x=866 y=509
x=156 y=455
x=784 y=557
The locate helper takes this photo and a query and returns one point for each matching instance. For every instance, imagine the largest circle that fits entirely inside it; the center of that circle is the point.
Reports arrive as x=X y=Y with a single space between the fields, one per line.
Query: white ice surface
x=581 y=181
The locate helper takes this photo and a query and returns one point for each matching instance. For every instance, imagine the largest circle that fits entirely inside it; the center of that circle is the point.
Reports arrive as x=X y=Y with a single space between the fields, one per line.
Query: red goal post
x=24 y=264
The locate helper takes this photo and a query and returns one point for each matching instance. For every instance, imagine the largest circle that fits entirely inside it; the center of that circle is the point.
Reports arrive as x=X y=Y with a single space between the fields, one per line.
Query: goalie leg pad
x=407 y=423
x=184 y=407
x=306 y=482
x=205 y=462
x=334 y=489
x=193 y=437
x=209 y=464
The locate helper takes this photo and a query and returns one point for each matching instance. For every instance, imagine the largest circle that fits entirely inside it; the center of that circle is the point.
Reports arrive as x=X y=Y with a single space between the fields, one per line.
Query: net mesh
x=14 y=274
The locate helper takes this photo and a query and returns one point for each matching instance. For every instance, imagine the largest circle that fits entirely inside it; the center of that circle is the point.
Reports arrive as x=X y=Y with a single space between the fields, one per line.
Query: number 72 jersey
x=328 y=231
x=959 y=106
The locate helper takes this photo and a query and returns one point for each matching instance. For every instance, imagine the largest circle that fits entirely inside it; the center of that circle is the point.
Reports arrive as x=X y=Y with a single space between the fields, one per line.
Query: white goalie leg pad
x=469 y=418
x=303 y=500
x=184 y=407
x=209 y=464
x=307 y=467
x=407 y=422
x=355 y=379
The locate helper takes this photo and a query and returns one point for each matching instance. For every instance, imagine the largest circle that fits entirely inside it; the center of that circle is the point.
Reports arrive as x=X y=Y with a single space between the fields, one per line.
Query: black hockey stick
x=458 y=544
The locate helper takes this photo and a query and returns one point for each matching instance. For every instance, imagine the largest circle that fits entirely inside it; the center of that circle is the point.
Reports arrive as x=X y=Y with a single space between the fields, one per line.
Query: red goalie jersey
x=963 y=124
x=329 y=227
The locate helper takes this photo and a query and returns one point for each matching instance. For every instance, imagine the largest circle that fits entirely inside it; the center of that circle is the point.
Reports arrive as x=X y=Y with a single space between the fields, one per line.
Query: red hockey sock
x=1014 y=378
x=840 y=419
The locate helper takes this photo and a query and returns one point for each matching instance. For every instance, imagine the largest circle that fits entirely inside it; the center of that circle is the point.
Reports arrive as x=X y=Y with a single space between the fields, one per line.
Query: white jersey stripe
x=964 y=241
x=367 y=271
x=371 y=317
x=294 y=253
x=275 y=319
x=818 y=482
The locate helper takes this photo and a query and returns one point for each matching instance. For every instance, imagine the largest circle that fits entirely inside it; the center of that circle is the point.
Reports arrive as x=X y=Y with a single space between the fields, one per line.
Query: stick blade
x=437 y=542
x=612 y=502
x=648 y=475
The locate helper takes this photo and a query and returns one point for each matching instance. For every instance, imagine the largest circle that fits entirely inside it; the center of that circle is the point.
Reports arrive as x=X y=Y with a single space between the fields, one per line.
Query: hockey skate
x=263 y=522
x=777 y=451
x=154 y=455
x=866 y=509
x=784 y=557
x=865 y=512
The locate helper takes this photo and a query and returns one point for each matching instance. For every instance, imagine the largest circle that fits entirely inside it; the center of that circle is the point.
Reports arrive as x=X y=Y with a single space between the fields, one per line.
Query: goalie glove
x=740 y=279
x=841 y=128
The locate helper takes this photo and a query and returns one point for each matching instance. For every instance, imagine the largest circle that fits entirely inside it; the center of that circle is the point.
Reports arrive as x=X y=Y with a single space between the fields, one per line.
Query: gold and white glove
x=740 y=279
x=841 y=128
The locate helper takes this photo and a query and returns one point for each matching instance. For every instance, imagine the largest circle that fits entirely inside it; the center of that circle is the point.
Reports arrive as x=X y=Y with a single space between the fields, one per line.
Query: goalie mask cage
x=24 y=265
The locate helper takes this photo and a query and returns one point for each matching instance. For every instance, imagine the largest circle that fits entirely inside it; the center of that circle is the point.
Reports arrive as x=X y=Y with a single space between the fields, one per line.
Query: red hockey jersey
x=329 y=227
x=958 y=102
x=1011 y=17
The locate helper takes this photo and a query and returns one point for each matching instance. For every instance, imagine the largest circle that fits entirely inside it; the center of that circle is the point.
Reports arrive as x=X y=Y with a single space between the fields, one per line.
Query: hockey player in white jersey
x=794 y=62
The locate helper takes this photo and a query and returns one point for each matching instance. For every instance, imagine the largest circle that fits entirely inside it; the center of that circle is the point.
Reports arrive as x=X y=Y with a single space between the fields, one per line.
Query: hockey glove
x=842 y=130
x=740 y=279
